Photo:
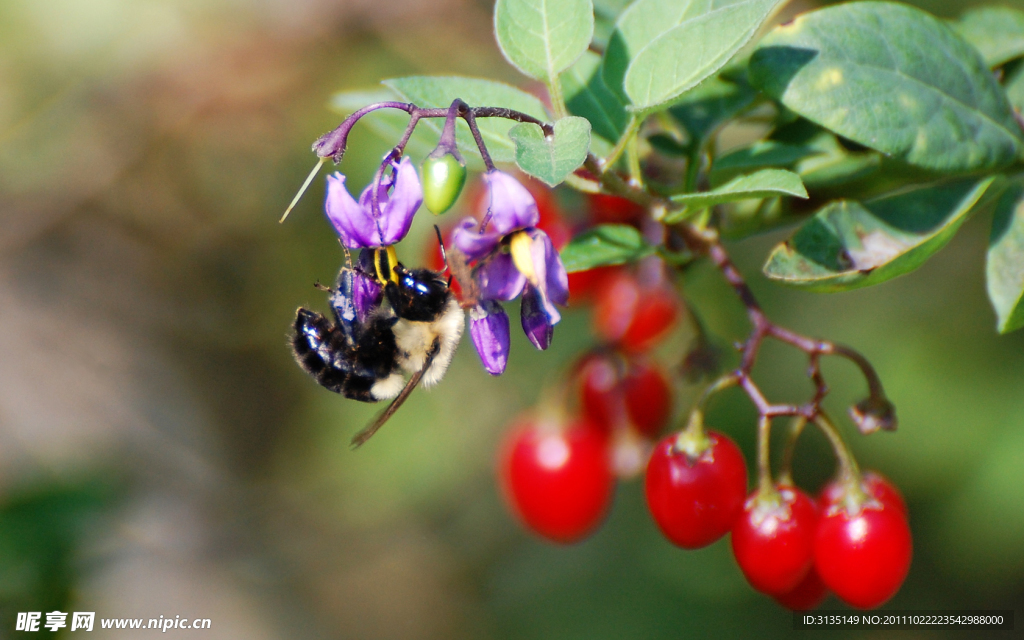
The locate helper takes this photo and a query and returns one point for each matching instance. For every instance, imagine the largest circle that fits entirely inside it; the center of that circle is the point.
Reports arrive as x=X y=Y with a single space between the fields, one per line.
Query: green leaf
x=543 y=38
x=1004 y=269
x=645 y=22
x=440 y=91
x=587 y=95
x=605 y=244
x=751 y=217
x=835 y=166
x=606 y=12
x=661 y=48
x=1015 y=88
x=892 y=78
x=705 y=108
x=764 y=183
x=847 y=245
x=997 y=32
x=668 y=145
x=764 y=153
x=552 y=159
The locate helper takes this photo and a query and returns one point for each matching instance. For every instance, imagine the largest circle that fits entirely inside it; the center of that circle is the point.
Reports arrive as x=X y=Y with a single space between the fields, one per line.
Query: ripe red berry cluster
x=853 y=540
x=558 y=473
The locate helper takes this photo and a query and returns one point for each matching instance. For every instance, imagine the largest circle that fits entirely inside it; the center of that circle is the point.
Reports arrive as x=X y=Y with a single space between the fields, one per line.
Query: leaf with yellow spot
x=892 y=78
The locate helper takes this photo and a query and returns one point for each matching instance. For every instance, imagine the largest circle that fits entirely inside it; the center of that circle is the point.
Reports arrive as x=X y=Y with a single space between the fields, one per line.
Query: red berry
x=874 y=484
x=655 y=315
x=695 y=501
x=807 y=595
x=773 y=540
x=600 y=392
x=558 y=481
x=585 y=285
x=634 y=316
x=863 y=557
x=551 y=220
x=616 y=306
x=648 y=398
x=613 y=209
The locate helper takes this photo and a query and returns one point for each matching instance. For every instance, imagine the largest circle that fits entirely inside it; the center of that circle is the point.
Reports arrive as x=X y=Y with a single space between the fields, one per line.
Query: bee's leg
x=343 y=306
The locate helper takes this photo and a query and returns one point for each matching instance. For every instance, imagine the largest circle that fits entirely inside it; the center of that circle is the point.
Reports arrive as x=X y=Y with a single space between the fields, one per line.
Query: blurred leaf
x=892 y=78
x=743 y=219
x=764 y=183
x=605 y=244
x=552 y=159
x=704 y=35
x=835 y=166
x=997 y=32
x=764 y=153
x=606 y=12
x=668 y=145
x=440 y=91
x=611 y=8
x=706 y=107
x=1004 y=269
x=543 y=38
x=587 y=95
x=847 y=245
x=40 y=531
x=1015 y=88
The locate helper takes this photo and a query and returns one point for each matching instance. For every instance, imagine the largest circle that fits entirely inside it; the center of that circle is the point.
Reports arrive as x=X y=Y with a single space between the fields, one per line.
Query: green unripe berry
x=443 y=179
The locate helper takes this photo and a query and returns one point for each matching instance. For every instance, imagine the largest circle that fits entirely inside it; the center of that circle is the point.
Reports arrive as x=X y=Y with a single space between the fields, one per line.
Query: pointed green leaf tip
x=443 y=179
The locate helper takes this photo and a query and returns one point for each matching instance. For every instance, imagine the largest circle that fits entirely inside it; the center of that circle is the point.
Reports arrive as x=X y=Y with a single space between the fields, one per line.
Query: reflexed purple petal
x=474 y=245
x=405 y=199
x=499 y=279
x=556 y=280
x=489 y=328
x=510 y=205
x=550 y=279
x=536 y=324
x=366 y=296
x=354 y=225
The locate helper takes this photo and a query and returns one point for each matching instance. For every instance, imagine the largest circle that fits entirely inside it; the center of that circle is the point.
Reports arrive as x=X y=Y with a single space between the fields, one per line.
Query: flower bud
x=443 y=178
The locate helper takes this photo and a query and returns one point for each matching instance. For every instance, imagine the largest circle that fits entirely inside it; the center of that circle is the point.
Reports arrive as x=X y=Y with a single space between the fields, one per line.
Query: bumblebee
x=364 y=354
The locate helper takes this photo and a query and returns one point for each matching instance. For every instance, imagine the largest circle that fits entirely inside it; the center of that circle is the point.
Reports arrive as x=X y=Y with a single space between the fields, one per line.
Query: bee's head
x=419 y=294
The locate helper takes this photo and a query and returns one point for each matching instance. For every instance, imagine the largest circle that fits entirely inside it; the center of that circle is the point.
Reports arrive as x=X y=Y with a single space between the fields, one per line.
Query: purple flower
x=512 y=257
x=488 y=326
x=356 y=223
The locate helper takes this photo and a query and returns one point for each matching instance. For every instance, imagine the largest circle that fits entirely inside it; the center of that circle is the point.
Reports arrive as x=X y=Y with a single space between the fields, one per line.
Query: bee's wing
x=385 y=415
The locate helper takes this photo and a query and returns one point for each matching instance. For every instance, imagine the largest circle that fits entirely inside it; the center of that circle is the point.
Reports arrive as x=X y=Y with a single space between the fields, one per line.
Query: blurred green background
x=161 y=453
